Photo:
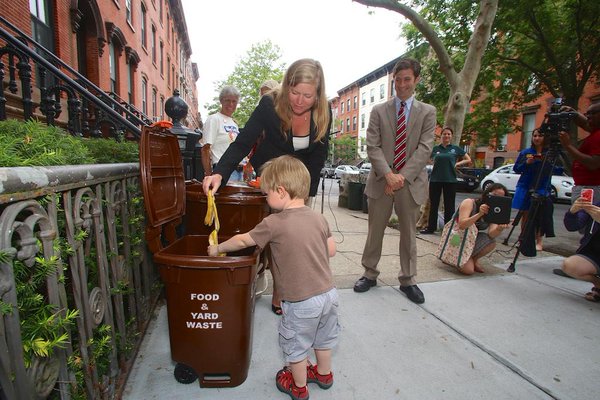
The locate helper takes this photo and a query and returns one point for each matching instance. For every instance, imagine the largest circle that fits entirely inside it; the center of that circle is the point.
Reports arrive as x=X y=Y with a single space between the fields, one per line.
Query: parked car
x=345 y=169
x=560 y=185
x=365 y=168
x=466 y=182
x=327 y=172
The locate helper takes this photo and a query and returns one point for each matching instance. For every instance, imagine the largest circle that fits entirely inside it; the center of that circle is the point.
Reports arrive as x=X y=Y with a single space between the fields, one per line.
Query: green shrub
x=106 y=151
x=32 y=143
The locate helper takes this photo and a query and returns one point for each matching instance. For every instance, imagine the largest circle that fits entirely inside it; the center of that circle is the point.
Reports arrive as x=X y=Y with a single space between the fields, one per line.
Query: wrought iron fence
x=76 y=285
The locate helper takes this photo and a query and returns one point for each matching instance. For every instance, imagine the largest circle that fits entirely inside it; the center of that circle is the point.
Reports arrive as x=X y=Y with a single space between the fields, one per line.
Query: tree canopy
x=260 y=63
x=536 y=47
x=458 y=44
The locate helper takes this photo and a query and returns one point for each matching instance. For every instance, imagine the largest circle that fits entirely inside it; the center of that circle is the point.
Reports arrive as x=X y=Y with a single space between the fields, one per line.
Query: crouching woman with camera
x=472 y=211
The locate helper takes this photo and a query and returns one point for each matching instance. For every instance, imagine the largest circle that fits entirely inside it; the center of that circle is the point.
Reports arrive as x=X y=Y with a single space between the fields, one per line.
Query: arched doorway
x=90 y=38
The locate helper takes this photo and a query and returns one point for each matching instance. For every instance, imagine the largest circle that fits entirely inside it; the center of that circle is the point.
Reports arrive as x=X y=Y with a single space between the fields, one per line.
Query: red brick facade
x=86 y=29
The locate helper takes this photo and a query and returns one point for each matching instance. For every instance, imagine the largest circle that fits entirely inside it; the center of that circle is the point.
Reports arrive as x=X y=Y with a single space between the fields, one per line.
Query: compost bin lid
x=161 y=171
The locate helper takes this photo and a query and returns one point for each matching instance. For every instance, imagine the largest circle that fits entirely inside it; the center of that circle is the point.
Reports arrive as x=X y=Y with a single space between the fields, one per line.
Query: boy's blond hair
x=288 y=172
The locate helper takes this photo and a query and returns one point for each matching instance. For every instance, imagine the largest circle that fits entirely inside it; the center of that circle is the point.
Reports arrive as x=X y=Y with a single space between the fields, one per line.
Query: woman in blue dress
x=529 y=164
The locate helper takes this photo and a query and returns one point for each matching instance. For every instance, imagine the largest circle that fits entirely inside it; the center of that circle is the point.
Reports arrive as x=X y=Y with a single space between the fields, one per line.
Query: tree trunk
x=461 y=83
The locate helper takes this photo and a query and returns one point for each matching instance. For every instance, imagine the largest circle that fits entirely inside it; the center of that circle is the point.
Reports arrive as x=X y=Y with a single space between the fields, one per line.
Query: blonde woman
x=296 y=119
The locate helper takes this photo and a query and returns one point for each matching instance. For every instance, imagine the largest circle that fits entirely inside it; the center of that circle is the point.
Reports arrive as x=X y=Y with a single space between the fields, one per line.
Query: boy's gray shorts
x=311 y=323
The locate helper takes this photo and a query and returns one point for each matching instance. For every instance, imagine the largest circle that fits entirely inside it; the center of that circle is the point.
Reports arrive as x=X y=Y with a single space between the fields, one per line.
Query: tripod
x=526 y=239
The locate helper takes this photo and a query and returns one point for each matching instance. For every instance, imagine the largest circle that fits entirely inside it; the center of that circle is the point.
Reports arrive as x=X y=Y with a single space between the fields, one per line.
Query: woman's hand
x=211 y=181
x=593 y=211
x=579 y=204
x=496 y=229
x=483 y=210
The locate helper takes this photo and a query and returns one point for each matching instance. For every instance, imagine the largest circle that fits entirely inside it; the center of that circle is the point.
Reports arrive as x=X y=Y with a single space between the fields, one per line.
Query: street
x=564 y=243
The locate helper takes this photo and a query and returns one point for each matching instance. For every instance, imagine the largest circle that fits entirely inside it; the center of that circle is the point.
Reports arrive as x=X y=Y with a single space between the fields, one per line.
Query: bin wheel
x=184 y=374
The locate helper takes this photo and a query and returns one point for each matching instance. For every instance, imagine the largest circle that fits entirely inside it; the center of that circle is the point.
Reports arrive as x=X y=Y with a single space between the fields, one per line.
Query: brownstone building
x=136 y=50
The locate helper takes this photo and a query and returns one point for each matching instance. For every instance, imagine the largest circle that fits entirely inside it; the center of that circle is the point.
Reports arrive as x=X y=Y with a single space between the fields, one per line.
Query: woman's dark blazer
x=274 y=144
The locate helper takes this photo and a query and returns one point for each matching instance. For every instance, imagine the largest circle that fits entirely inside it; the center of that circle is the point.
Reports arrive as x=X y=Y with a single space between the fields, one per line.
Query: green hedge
x=32 y=143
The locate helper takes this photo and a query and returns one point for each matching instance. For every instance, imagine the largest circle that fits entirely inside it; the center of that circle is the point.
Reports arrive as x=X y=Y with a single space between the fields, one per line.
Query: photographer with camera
x=586 y=157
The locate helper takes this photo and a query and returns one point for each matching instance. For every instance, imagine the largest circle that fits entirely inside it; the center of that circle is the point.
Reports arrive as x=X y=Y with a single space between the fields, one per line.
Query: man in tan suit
x=403 y=185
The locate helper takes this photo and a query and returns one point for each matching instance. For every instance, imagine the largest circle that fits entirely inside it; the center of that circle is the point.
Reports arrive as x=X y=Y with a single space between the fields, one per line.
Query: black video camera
x=556 y=122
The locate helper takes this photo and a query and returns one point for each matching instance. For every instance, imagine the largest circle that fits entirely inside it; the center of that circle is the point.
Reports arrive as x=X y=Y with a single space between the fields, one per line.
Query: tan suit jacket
x=381 y=135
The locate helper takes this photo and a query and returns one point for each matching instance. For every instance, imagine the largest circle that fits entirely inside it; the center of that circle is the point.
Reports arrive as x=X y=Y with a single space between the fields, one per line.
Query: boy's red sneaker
x=285 y=383
x=312 y=375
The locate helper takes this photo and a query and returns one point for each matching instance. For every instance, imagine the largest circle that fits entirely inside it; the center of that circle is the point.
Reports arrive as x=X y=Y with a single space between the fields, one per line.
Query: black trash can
x=210 y=300
x=355 y=192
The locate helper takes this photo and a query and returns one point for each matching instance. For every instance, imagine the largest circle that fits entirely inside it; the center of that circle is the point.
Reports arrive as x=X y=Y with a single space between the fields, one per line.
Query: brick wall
x=103 y=13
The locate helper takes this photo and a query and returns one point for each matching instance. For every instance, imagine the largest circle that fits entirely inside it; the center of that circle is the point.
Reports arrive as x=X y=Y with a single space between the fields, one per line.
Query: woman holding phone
x=585 y=263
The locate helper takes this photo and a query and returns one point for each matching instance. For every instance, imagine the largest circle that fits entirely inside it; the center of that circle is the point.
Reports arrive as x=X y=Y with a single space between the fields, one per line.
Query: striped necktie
x=400 y=144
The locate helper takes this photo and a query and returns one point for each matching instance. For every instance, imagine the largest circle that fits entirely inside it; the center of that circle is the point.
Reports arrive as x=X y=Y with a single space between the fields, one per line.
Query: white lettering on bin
x=204 y=325
x=207 y=315
x=204 y=296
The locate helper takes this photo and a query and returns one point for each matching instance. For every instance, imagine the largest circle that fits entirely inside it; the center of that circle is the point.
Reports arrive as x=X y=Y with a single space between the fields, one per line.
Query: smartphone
x=587 y=195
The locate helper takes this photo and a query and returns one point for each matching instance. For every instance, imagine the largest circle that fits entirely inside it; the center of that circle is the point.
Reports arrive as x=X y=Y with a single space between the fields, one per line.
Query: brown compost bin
x=240 y=208
x=210 y=300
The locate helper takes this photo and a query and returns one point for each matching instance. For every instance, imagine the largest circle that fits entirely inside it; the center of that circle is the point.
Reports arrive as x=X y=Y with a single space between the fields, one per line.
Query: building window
x=355 y=105
x=130 y=81
x=128 y=11
x=381 y=91
x=528 y=127
x=168 y=71
x=372 y=95
x=342 y=105
x=112 y=66
x=348 y=105
x=162 y=47
x=144 y=96
x=162 y=107
x=363 y=97
x=362 y=121
x=154 y=108
x=347 y=124
x=354 y=123
x=42 y=31
x=153 y=44
x=143 y=26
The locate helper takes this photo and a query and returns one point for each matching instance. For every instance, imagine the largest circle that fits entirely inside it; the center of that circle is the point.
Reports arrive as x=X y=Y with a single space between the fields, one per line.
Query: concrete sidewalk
x=526 y=335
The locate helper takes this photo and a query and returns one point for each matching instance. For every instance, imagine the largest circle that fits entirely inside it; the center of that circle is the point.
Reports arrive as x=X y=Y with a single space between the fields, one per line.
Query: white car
x=365 y=168
x=560 y=185
x=345 y=169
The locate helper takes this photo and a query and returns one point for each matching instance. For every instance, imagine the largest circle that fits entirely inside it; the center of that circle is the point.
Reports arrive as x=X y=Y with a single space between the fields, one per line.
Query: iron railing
x=86 y=222
x=90 y=111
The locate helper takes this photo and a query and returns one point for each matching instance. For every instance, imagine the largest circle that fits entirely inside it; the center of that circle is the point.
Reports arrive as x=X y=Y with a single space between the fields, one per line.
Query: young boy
x=301 y=245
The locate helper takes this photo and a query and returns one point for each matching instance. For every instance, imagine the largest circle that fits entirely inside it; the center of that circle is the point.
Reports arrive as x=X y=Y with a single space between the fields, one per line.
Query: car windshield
x=353 y=168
